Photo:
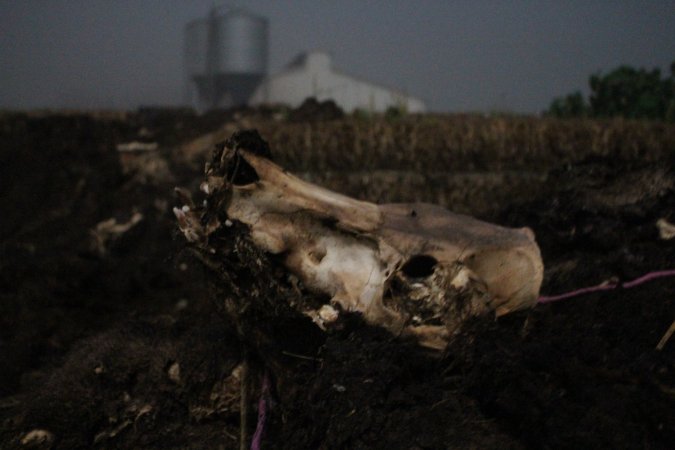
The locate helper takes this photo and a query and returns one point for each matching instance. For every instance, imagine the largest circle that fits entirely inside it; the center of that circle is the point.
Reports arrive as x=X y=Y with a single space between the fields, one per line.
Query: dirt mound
x=138 y=382
x=131 y=346
x=312 y=110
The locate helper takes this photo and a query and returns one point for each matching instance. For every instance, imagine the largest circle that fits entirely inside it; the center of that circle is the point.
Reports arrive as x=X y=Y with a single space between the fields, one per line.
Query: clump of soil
x=136 y=347
x=313 y=110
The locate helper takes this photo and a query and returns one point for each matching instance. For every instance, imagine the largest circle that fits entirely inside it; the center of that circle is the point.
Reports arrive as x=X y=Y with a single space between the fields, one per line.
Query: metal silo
x=242 y=43
x=226 y=57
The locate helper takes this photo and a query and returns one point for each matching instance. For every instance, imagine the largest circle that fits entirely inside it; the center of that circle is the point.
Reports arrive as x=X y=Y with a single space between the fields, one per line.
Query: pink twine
x=262 y=413
x=608 y=286
x=648 y=277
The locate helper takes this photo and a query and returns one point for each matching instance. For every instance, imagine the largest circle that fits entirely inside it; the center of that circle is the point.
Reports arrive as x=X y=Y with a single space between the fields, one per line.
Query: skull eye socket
x=241 y=173
x=419 y=266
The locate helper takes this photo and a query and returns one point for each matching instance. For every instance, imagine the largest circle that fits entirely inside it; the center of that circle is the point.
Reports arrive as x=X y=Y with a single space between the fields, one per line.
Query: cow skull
x=414 y=269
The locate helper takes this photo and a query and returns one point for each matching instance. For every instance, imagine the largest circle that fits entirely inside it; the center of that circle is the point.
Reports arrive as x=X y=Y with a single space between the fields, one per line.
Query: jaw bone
x=414 y=269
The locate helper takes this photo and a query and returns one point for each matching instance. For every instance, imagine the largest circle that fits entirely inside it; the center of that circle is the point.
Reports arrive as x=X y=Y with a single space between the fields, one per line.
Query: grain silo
x=225 y=57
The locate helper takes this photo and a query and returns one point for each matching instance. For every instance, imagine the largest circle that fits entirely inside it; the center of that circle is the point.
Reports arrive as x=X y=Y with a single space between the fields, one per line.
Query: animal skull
x=414 y=269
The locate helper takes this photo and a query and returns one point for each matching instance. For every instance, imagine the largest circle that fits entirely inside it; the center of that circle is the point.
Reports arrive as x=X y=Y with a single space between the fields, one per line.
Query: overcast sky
x=456 y=55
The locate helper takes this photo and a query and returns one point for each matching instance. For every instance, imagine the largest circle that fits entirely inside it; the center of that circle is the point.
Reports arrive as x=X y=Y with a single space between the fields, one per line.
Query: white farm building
x=312 y=75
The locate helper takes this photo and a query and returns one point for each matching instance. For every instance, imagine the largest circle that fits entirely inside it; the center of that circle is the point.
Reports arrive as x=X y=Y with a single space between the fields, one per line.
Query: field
x=114 y=338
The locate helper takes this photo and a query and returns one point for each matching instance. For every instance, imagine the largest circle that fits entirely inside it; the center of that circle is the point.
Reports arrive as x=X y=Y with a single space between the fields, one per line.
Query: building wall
x=312 y=75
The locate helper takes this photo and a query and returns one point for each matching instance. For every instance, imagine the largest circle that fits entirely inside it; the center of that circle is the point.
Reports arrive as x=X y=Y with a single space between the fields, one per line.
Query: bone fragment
x=666 y=229
x=110 y=229
x=136 y=146
x=37 y=438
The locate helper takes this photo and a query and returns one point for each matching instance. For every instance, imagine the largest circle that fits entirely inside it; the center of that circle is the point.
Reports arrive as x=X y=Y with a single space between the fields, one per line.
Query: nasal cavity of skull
x=419 y=266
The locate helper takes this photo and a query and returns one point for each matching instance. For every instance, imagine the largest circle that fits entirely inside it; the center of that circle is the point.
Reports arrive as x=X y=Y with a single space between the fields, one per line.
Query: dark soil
x=313 y=110
x=131 y=347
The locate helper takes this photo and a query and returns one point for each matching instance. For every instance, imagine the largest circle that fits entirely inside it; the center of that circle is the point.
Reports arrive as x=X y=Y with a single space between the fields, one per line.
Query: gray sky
x=456 y=55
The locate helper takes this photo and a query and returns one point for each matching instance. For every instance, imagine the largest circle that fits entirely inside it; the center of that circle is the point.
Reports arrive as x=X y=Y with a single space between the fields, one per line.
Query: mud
x=134 y=347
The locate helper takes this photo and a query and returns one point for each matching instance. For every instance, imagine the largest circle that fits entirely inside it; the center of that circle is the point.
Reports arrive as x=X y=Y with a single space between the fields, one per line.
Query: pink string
x=262 y=413
x=648 y=277
x=608 y=286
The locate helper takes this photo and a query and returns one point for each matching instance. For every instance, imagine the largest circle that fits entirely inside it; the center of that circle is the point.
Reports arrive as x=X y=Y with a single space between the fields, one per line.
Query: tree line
x=624 y=92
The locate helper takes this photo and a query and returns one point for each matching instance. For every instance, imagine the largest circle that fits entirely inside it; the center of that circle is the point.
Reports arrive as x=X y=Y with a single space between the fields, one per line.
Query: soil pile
x=314 y=110
x=128 y=345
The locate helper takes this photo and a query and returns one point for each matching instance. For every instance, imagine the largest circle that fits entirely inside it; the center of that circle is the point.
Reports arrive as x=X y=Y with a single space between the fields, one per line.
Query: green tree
x=631 y=93
x=623 y=92
x=572 y=105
